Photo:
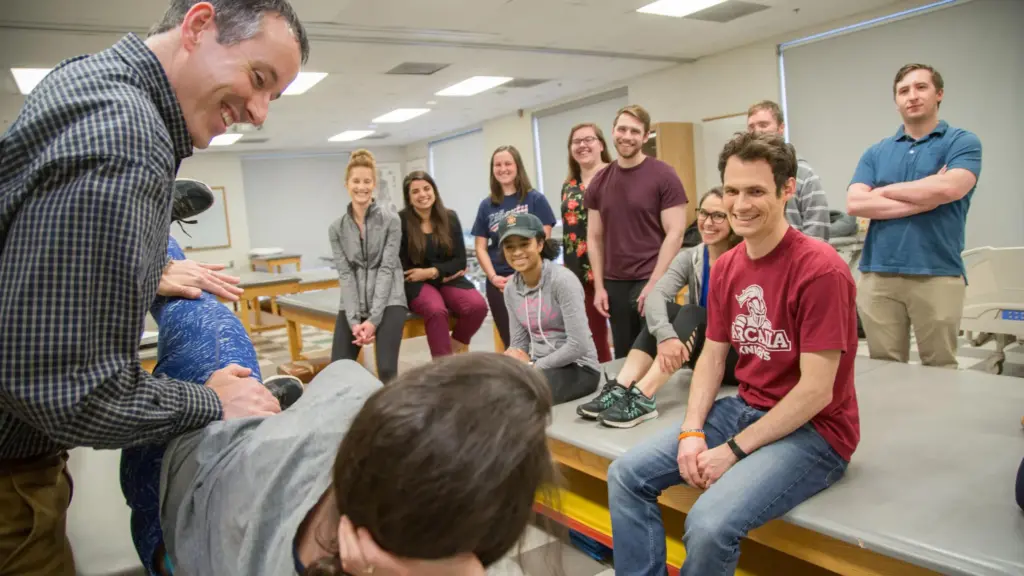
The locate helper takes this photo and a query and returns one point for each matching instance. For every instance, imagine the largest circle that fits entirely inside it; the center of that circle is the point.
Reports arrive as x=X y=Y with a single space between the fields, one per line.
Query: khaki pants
x=890 y=304
x=34 y=499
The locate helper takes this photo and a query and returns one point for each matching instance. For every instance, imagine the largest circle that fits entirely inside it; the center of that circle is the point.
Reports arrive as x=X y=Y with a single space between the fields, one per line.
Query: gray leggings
x=385 y=349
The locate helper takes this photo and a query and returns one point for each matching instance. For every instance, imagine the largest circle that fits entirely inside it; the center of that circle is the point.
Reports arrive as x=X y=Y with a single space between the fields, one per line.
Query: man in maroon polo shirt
x=630 y=251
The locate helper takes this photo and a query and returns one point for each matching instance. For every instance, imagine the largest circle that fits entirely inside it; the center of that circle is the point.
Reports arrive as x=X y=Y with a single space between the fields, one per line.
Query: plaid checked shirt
x=86 y=173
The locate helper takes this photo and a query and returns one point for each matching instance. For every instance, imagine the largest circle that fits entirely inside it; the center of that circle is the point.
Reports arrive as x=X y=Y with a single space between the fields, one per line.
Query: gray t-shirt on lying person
x=232 y=496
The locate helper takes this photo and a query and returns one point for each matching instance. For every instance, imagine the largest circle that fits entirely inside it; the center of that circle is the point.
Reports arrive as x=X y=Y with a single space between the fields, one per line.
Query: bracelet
x=740 y=454
x=691 y=433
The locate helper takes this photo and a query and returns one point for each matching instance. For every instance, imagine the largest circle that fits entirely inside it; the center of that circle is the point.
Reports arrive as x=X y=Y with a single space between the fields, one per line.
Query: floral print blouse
x=574 y=231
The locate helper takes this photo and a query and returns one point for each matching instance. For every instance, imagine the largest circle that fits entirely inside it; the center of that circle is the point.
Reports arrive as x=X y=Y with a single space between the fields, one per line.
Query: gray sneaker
x=631 y=409
x=611 y=392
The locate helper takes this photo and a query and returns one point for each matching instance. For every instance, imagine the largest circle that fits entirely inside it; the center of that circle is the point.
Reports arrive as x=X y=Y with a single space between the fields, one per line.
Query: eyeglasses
x=716 y=217
x=587 y=140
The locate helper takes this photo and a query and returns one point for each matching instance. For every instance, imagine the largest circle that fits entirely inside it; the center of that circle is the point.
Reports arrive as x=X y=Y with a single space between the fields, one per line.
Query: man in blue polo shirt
x=916 y=188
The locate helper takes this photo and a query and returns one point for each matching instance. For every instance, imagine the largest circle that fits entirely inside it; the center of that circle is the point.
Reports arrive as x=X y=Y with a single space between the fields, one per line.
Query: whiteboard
x=715 y=134
x=211 y=230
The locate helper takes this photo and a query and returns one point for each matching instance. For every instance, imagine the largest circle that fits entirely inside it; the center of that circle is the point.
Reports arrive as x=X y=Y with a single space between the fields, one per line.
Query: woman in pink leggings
x=433 y=256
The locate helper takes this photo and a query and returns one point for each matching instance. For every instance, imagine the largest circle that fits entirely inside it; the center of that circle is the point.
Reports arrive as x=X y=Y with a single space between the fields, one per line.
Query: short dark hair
x=771 y=148
x=636 y=111
x=237 y=20
x=771 y=107
x=908 y=68
x=445 y=460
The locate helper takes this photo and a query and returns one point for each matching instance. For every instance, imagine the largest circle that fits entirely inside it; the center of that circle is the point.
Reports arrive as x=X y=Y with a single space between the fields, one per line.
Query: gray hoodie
x=369 y=271
x=685 y=269
x=549 y=321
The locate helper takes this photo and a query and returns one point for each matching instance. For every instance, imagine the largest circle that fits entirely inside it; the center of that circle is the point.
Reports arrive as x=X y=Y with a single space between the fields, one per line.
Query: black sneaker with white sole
x=287 y=389
x=611 y=392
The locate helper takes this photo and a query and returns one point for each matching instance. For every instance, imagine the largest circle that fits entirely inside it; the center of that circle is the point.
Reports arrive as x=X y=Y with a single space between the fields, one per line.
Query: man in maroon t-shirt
x=786 y=304
x=630 y=252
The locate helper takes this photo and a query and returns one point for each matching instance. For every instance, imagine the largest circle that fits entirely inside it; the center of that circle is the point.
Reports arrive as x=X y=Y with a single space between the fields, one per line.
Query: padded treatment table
x=930 y=488
x=320 y=279
x=257 y=285
x=274 y=262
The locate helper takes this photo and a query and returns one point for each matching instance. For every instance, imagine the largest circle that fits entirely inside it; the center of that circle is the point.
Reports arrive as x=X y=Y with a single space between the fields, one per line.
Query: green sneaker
x=611 y=392
x=629 y=410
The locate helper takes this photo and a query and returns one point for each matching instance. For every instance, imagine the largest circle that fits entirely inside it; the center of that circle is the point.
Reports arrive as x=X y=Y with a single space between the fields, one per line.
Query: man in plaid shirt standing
x=86 y=177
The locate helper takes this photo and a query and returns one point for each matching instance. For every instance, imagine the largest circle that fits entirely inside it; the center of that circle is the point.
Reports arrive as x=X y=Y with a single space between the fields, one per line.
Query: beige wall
x=223 y=169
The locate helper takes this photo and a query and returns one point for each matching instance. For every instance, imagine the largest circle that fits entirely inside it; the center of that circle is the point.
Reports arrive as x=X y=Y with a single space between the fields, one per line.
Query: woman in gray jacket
x=366 y=241
x=546 y=310
x=673 y=335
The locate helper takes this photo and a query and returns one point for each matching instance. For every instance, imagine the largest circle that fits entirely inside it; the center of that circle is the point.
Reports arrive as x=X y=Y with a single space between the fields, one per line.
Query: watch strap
x=740 y=454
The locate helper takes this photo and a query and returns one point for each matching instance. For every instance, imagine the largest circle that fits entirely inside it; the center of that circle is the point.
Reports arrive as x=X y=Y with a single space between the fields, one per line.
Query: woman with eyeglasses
x=588 y=155
x=673 y=335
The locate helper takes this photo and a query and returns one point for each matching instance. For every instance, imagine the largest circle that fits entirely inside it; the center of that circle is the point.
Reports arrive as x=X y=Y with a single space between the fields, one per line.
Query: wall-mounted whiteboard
x=715 y=134
x=211 y=230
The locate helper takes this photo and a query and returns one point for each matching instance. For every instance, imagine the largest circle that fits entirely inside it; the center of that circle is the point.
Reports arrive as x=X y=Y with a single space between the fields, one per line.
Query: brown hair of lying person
x=444 y=461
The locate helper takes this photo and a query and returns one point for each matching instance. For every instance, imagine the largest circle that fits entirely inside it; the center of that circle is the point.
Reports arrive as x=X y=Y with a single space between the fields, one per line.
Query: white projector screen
x=839 y=100
x=552 y=135
x=459 y=165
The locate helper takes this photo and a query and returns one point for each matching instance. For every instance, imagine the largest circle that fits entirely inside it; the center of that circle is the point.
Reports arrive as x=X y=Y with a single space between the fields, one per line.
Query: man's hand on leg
x=240 y=395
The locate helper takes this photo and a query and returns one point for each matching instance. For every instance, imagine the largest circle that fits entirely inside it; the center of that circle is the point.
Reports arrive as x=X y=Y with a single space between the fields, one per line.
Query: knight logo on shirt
x=752 y=332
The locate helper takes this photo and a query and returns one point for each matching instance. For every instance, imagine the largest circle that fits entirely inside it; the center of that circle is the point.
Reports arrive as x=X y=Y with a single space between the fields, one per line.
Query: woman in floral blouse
x=588 y=155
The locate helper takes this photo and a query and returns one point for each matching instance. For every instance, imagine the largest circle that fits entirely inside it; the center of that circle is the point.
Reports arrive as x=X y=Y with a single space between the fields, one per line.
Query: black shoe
x=191 y=198
x=287 y=389
x=609 y=394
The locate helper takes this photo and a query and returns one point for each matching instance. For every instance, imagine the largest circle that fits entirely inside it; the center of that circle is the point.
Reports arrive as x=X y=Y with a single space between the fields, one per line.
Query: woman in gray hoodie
x=547 y=312
x=673 y=335
x=366 y=241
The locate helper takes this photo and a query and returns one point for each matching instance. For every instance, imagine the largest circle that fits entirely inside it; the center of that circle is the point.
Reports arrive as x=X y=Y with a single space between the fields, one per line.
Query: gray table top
x=318 y=275
x=326 y=302
x=257 y=279
x=931 y=482
x=277 y=256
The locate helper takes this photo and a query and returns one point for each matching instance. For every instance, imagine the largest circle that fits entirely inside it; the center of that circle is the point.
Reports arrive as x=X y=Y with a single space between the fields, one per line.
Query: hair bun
x=363 y=154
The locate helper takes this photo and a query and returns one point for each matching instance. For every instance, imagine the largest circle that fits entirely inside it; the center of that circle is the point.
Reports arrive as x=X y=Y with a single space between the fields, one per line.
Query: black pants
x=626 y=321
x=385 y=348
x=571 y=382
x=689 y=320
x=496 y=300
x=1020 y=485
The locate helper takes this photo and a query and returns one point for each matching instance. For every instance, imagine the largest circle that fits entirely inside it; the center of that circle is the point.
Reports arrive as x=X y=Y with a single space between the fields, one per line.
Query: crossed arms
x=908 y=198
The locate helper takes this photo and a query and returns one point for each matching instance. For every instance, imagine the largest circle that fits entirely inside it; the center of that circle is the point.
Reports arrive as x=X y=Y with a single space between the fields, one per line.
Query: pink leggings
x=434 y=304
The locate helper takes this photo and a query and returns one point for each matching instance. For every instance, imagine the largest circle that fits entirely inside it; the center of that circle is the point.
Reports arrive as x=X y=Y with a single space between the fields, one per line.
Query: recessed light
x=678 y=8
x=474 y=85
x=27 y=78
x=303 y=82
x=350 y=135
x=400 y=115
x=225 y=139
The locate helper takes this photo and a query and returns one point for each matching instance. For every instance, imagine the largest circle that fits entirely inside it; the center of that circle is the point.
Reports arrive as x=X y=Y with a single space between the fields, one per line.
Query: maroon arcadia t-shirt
x=630 y=201
x=799 y=298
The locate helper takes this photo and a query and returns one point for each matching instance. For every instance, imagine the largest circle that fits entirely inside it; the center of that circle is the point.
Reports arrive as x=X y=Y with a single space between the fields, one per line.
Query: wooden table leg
x=499 y=346
x=294 y=340
x=243 y=315
x=255 y=305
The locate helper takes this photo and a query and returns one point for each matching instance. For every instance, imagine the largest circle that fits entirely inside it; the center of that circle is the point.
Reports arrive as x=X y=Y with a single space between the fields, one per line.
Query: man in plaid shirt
x=86 y=176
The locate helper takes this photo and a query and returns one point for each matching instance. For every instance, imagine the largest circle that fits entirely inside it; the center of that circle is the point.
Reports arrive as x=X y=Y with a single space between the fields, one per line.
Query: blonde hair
x=361 y=159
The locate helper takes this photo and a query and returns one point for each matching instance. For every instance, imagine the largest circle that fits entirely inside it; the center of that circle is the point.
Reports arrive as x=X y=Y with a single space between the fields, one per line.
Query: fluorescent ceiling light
x=350 y=135
x=400 y=115
x=678 y=8
x=225 y=139
x=474 y=85
x=304 y=81
x=27 y=78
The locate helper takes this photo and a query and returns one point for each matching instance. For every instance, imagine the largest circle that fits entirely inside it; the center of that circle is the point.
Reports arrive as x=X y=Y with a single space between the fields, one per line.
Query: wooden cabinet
x=673 y=143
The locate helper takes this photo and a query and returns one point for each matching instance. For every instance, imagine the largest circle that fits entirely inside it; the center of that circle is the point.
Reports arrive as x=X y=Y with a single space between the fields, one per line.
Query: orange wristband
x=691 y=435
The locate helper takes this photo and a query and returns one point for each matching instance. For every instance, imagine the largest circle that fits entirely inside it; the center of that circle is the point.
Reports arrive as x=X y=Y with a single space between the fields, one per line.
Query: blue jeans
x=763 y=486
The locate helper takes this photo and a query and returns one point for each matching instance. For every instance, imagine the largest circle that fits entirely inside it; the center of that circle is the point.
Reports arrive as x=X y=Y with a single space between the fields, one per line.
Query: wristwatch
x=740 y=454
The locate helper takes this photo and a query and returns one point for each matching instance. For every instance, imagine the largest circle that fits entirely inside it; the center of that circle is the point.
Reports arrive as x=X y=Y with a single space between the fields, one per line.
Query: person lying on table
x=786 y=303
x=433 y=474
x=546 y=310
x=672 y=336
